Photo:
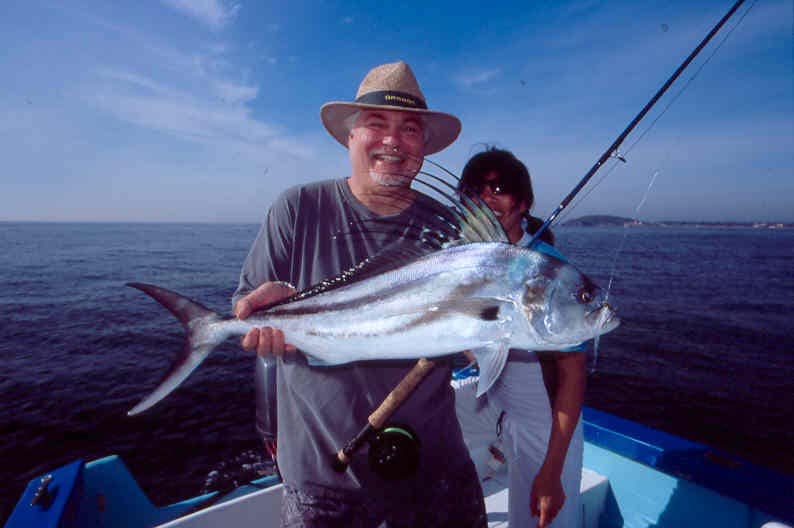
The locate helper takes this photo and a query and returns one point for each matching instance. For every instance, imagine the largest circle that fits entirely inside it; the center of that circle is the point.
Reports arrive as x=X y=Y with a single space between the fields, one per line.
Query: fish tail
x=200 y=340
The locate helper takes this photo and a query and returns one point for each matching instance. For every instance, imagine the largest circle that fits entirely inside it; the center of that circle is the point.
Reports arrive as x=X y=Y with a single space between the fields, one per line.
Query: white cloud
x=477 y=77
x=185 y=117
x=290 y=146
x=223 y=124
x=195 y=97
x=212 y=13
x=234 y=92
x=134 y=80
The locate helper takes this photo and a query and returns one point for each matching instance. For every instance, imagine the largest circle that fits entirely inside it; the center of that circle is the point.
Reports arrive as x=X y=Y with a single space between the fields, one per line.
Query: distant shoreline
x=584 y=221
x=617 y=221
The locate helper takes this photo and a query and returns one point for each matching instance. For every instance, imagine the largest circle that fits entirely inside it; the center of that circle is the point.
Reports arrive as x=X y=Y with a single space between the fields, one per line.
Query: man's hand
x=265 y=340
x=547 y=497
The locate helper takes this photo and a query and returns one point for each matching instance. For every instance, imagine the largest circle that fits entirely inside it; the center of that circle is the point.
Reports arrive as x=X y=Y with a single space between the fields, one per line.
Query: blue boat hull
x=657 y=479
x=654 y=480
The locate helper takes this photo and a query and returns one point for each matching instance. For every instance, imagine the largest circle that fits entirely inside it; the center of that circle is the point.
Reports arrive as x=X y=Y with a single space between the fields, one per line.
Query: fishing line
x=670 y=103
x=613 y=152
x=635 y=219
x=619 y=250
x=642 y=135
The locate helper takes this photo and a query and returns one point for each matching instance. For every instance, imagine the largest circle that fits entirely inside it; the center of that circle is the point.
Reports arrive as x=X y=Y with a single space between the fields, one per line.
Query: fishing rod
x=612 y=150
x=394 y=449
x=394 y=452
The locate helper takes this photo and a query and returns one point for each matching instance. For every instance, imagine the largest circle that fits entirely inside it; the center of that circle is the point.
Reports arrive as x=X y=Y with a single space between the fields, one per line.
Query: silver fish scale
x=435 y=303
x=483 y=295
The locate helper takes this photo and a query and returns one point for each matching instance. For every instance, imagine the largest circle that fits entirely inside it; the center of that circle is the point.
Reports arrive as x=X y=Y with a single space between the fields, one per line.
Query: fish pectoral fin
x=316 y=362
x=491 y=361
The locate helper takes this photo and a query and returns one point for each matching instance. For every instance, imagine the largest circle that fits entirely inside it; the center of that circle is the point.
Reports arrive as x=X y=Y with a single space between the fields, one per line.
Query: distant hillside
x=598 y=221
x=620 y=221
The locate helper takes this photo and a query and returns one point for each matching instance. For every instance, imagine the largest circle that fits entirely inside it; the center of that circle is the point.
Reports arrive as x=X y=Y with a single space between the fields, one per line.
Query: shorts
x=452 y=502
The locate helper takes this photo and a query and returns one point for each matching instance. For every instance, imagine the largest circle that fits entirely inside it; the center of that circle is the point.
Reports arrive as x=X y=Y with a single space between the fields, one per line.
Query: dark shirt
x=312 y=233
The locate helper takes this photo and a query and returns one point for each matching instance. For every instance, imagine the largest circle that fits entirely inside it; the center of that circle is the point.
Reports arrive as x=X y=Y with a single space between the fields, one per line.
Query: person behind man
x=387 y=130
x=537 y=401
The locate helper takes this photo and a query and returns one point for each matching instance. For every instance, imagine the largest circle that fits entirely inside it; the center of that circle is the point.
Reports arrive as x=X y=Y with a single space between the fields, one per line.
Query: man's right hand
x=266 y=340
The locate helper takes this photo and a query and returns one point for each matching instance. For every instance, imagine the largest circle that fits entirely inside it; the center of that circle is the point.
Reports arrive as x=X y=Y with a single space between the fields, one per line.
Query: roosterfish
x=466 y=288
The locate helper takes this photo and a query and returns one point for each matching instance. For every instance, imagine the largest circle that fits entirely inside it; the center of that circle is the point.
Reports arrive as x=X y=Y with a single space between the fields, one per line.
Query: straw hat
x=392 y=87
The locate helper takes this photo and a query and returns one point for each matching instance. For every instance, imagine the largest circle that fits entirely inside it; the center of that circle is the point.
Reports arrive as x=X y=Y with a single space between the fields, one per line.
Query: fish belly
x=435 y=306
x=337 y=339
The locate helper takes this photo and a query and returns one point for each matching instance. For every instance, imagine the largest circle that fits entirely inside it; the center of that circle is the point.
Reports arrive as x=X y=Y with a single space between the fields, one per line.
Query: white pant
x=521 y=394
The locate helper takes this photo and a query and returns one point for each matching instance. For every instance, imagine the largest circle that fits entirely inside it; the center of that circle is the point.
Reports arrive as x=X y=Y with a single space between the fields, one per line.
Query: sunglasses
x=497 y=188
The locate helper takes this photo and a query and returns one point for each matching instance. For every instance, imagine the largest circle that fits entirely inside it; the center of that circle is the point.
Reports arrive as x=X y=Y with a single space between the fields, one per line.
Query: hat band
x=392 y=98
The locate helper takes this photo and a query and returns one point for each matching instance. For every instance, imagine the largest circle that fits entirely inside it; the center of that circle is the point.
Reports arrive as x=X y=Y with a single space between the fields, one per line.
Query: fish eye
x=585 y=295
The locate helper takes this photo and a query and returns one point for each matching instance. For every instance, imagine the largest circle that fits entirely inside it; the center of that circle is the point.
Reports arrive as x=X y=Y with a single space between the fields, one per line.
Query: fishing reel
x=394 y=452
x=393 y=448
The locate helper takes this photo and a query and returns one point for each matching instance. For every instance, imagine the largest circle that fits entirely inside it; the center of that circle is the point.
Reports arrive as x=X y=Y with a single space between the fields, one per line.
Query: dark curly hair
x=513 y=173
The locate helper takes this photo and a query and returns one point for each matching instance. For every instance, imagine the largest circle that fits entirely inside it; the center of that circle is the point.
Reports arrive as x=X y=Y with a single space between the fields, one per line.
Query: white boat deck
x=254 y=510
x=593 y=489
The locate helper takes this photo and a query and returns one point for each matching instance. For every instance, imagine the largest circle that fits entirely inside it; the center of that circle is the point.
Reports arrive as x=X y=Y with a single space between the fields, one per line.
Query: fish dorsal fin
x=463 y=219
x=390 y=258
x=450 y=217
x=472 y=219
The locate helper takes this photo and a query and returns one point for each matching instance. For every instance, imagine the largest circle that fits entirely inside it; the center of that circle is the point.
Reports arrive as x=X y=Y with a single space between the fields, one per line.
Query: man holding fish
x=387 y=130
x=386 y=276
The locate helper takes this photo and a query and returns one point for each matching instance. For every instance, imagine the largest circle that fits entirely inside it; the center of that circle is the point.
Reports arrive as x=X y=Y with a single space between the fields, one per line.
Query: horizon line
x=259 y=222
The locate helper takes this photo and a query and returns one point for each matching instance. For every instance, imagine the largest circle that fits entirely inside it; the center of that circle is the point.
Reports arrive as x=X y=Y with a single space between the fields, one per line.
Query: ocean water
x=706 y=350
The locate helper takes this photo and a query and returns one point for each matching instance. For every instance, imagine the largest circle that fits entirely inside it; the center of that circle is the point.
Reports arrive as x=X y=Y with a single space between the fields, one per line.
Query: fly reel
x=393 y=448
x=394 y=452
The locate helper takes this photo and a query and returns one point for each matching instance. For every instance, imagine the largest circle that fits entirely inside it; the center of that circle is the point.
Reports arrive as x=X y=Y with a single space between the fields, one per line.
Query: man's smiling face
x=386 y=147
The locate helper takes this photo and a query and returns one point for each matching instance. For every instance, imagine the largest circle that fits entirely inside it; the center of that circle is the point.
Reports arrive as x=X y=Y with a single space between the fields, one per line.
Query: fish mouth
x=603 y=318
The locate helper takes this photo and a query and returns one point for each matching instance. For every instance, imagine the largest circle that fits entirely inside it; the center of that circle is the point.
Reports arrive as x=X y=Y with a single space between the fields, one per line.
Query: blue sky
x=205 y=110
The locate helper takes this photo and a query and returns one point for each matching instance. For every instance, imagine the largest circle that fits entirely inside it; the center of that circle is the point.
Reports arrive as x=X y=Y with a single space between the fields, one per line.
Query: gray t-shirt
x=312 y=233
